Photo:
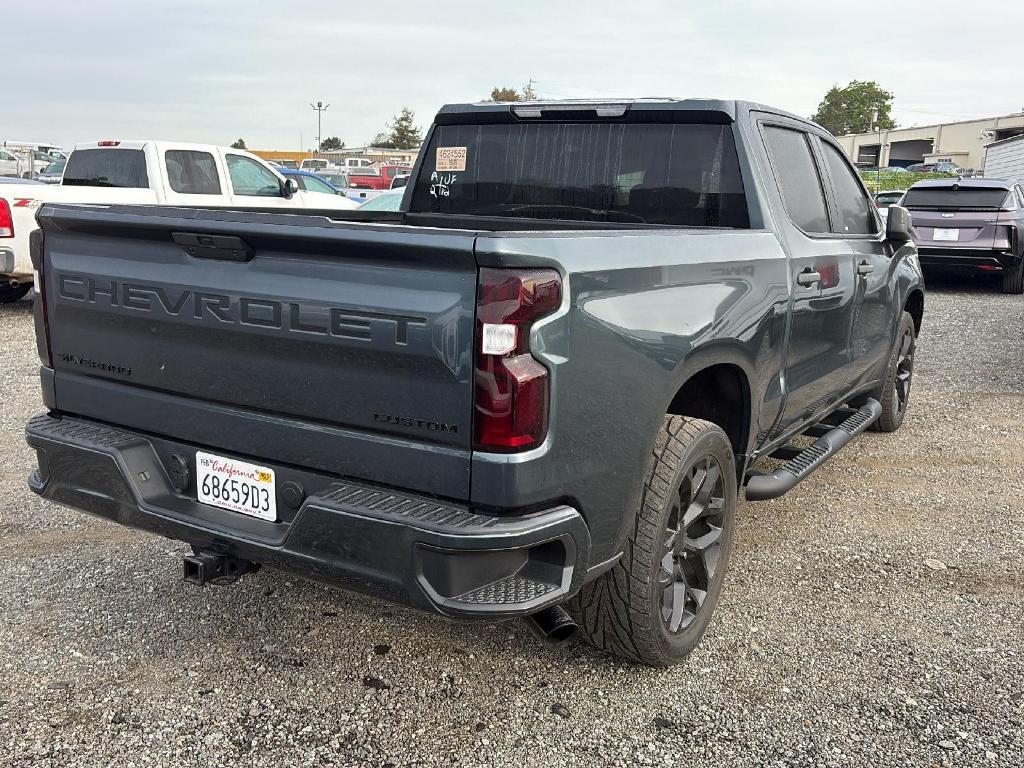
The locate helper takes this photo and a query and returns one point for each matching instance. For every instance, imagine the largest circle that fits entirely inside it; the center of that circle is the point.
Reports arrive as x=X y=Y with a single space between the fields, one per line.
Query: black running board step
x=781 y=481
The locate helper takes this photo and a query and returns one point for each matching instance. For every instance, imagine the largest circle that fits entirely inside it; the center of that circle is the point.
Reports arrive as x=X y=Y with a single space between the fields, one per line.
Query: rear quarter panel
x=642 y=311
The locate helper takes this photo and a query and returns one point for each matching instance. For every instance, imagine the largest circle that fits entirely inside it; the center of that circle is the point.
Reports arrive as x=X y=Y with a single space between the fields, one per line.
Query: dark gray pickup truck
x=536 y=390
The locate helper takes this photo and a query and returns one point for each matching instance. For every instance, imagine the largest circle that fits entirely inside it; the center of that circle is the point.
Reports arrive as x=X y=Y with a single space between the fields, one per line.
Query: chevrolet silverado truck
x=538 y=389
x=144 y=173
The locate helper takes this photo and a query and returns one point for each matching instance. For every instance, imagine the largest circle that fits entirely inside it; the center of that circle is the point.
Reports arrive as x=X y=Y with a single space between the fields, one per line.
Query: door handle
x=864 y=268
x=219 y=247
x=809 y=277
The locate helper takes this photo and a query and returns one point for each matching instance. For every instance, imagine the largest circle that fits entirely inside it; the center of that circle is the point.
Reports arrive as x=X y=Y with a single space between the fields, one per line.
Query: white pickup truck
x=144 y=173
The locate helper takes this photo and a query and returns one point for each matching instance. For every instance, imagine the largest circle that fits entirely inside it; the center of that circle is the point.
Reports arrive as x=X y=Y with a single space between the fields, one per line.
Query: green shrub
x=889 y=180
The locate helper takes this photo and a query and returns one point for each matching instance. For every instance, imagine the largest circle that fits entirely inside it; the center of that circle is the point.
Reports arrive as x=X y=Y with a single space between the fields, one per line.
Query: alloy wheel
x=692 y=544
x=904 y=370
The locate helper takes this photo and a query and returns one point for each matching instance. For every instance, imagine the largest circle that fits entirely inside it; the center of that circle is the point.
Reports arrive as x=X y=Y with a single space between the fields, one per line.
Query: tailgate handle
x=220 y=247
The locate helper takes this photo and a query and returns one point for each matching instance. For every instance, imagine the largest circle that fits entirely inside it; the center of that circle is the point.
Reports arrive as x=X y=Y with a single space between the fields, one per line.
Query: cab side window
x=856 y=214
x=798 y=179
x=192 y=173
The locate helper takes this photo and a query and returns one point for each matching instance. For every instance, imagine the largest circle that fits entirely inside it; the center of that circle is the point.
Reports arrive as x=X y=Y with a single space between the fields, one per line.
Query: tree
x=849 y=109
x=239 y=144
x=400 y=133
x=504 y=93
x=331 y=142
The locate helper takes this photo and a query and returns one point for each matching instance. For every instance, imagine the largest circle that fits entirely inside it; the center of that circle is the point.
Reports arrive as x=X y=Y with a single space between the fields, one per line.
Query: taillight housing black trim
x=43 y=345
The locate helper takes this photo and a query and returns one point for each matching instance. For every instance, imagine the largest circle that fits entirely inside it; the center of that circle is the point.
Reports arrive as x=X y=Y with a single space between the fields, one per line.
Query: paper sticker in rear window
x=450 y=159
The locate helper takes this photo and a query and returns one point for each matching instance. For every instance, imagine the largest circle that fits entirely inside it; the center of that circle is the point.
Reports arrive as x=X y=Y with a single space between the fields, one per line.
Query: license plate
x=947 y=234
x=236 y=485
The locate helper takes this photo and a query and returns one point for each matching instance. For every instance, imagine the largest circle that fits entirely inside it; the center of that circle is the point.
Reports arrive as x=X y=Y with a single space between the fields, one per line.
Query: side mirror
x=898 y=225
x=288 y=188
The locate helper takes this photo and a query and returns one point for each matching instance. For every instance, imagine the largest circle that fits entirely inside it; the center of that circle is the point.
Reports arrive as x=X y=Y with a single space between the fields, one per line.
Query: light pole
x=319 y=108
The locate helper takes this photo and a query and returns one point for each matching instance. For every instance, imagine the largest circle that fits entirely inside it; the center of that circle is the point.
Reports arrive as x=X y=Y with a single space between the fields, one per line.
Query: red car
x=371 y=178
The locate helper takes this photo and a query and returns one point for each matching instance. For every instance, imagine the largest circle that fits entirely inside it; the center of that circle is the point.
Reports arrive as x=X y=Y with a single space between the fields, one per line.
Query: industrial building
x=1005 y=159
x=961 y=142
x=374 y=154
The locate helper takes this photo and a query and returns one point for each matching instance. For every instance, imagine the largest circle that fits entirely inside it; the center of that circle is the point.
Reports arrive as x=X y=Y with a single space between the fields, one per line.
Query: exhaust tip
x=554 y=627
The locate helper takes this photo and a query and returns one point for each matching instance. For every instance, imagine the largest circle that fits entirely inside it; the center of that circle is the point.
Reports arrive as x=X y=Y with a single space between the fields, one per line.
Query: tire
x=10 y=293
x=26 y=175
x=899 y=375
x=1013 y=277
x=655 y=603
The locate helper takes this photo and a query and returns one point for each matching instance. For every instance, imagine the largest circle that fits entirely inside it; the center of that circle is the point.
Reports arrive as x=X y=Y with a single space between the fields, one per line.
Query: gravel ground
x=837 y=643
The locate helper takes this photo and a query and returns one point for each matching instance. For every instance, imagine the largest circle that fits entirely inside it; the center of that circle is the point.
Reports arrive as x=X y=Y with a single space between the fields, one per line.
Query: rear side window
x=192 y=173
x=855 y=211
x=672 y=174
x=798 y=178
x=249 y=178
x=112 y=167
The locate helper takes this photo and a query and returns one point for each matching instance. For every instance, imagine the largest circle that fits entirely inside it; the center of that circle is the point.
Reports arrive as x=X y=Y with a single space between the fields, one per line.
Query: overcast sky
x=214 y=71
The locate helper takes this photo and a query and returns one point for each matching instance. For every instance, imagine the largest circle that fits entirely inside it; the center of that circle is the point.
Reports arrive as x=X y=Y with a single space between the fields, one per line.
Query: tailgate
x=288 y=338
x=971 y=230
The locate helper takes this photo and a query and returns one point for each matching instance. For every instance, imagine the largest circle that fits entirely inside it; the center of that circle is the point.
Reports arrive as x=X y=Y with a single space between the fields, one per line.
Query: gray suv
x=970 y=224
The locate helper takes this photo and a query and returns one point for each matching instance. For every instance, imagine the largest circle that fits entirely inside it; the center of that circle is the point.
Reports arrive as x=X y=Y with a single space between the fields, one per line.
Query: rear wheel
x=1013 y=277
x=899 y=375
x=654 y=605
x=10 y=293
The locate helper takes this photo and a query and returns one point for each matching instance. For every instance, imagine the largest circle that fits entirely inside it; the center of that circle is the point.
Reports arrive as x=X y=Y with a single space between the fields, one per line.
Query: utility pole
x=319 y=108
x=877 y=125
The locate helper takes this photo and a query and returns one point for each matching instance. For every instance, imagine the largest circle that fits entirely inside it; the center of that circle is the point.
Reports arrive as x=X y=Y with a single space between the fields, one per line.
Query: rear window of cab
x=107 y=167
x=676 y=174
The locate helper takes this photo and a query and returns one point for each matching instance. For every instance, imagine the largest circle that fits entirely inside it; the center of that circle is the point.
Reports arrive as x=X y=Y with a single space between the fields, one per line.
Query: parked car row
x=26 y=160
x=942 y=166
x=149 y=173
x=357 y=179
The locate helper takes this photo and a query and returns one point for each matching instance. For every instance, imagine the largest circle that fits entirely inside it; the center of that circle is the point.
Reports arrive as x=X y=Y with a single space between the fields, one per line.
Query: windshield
x=953 y=198
x=389 y=201
x=106 y=168
x=55 y=167
x=645 y=173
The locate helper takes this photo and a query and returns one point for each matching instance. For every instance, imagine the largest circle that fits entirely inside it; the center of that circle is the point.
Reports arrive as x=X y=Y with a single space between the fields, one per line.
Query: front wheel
x=11 y=293
x=654 y=605
x=1013 y=277
x=899 y=375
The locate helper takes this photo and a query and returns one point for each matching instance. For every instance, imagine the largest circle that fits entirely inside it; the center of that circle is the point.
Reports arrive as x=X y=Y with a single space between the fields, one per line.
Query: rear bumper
x=413 y=550
x=6 y=261
x=966 y=258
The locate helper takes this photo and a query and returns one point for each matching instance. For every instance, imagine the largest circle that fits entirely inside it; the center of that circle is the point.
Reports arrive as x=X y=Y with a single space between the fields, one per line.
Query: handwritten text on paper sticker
x=451 y=159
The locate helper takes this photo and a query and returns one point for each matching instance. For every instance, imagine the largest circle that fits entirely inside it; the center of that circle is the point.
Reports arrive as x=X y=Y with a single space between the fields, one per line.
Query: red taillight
x=511 y=386
x=6 y=219
x=107 y=143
